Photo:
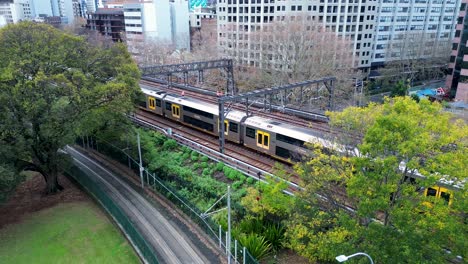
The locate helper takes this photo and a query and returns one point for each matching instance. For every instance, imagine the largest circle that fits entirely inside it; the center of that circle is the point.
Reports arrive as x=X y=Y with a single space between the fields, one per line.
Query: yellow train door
x=176 y=111
x=440 y=193
x=151 y=103
x=263 y=139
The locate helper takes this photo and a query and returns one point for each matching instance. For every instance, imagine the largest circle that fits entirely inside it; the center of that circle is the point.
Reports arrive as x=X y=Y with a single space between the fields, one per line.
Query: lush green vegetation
x=55 y=86
x=66 y=233
x=412 y=226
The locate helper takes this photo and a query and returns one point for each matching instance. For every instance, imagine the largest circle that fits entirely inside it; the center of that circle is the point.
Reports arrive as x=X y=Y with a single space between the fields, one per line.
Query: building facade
x=457 y=79
x=14 y=11
x=400 y=22
x=154 y=20
x=371 y=25
x=107 y=21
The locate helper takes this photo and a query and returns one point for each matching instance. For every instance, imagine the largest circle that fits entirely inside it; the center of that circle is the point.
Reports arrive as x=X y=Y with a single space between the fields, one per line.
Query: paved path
x=171 y=244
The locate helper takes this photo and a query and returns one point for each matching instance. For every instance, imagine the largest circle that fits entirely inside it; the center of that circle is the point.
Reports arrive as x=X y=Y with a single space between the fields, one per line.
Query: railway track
x=250 y=162
x=211 y=97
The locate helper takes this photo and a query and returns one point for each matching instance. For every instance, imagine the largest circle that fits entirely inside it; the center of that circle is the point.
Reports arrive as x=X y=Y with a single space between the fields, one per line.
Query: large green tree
x=392 y=220
x=55 y=86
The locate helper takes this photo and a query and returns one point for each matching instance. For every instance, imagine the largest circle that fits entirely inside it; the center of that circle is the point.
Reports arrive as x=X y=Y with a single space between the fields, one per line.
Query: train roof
x=152 y=92
x=301 y=133
x=194 y=103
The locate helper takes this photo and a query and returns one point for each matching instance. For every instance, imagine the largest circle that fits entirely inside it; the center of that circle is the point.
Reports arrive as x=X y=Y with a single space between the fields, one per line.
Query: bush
x=236 y=185
x=274 y=234
x=204 y=158
x=257 y=246
x=250 y=180
x=207 y=172
x=203 y=165
x=194 y=158
x=170 y=144
x=242 y=178
x=219 y=166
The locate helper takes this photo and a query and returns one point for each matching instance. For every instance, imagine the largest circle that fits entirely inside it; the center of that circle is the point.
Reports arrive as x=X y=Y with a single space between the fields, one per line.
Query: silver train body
x=280 y=140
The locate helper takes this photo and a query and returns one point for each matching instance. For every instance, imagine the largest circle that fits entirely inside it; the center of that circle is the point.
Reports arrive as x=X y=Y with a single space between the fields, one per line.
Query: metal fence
x=145 y=251
x=153 y=181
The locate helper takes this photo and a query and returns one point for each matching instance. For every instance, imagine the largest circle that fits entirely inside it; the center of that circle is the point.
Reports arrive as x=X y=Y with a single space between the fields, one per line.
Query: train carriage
x=283 y=141
x=232 y=126
x=154 y=100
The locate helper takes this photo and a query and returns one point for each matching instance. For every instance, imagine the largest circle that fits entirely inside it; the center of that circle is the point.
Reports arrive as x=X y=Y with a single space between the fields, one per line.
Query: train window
x=198 y=123
x=176 y=111
x=168 y=106
x=445 y=196
x=198 y=112
x=431 y=192
x=289 y=140
x=151 y=103
x=259 y=139
x=158 y=103
x=226 y=125
x=250 y=132
x=233 y=127
x=282 y=152
x=266 y=140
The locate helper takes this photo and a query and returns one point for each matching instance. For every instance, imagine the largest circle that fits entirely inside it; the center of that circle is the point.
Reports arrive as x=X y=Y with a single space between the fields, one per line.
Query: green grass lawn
x=67 y=233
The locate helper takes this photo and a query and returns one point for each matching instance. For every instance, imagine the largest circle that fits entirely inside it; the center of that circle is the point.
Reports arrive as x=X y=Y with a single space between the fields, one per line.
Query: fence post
x=235 y=251
x=220 y=236
x=227 y=244
x=244 y=255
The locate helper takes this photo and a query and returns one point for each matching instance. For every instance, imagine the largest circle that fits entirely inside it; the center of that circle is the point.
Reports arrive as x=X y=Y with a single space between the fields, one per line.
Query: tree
x=392 y=220
x=295 y=49
x=54 y=87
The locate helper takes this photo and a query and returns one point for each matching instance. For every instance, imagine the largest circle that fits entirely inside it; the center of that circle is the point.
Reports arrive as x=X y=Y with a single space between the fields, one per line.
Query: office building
x=457 y=79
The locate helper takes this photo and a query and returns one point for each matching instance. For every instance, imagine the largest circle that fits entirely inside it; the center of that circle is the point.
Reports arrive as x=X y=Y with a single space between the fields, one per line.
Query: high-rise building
x=399 y=22
x=371 y=25
x=457 y=79
x=13 y=11
x=154 y=20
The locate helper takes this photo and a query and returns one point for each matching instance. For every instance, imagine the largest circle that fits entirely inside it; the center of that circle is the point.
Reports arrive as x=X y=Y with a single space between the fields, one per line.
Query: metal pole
x=147 y=179
x=235 y=251
x=244 y=255
x=227 y=246
x=141 y=162
x=229 y=223
x=221 y=125
x=220 y=238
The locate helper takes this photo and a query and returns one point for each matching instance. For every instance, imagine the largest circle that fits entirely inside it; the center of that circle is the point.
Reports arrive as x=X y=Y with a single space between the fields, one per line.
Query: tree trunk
x=52 y=185
x=51 y=179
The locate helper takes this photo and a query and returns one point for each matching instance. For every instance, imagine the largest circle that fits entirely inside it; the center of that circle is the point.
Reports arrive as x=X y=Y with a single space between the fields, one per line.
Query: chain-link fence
x=153 y=181
x=145 y=251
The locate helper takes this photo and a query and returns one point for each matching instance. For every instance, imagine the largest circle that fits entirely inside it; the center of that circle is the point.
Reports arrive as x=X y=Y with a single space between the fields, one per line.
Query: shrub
x=274 y=234
x=242 y=178
x=219 y=166
x=170 y=144
x=257 y=246
x=203 y=165
x=236 y=185
x=204 y=158
x=207 y=172
x=194 y=158
x=250 y=180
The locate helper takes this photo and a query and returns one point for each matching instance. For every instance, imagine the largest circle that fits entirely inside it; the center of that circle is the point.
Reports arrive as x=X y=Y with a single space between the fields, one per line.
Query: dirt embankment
x=29 y=197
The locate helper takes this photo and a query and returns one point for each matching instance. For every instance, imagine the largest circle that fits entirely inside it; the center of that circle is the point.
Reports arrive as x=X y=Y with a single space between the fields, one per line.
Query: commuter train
x=280 y=140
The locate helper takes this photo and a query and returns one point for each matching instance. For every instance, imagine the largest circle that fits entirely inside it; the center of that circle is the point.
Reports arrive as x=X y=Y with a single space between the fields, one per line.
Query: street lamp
x=343 y=258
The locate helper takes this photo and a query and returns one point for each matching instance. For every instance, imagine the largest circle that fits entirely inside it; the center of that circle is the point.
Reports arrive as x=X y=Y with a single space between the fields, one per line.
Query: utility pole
x=229 y=223
x=141 y=162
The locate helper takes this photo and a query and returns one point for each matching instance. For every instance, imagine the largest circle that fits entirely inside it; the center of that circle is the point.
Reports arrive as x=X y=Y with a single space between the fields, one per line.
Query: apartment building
x=107 y=21
x=371 y=25
x=148 y=21
x=429 y=24
x=13 y=11
x=457 y=79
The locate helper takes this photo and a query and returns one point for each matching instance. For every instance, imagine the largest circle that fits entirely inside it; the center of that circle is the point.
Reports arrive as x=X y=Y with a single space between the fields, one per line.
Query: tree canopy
x=55 y=86
x=391 y=219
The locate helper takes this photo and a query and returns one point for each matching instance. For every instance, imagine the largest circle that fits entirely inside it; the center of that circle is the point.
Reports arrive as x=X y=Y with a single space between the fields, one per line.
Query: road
x=167 y=238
